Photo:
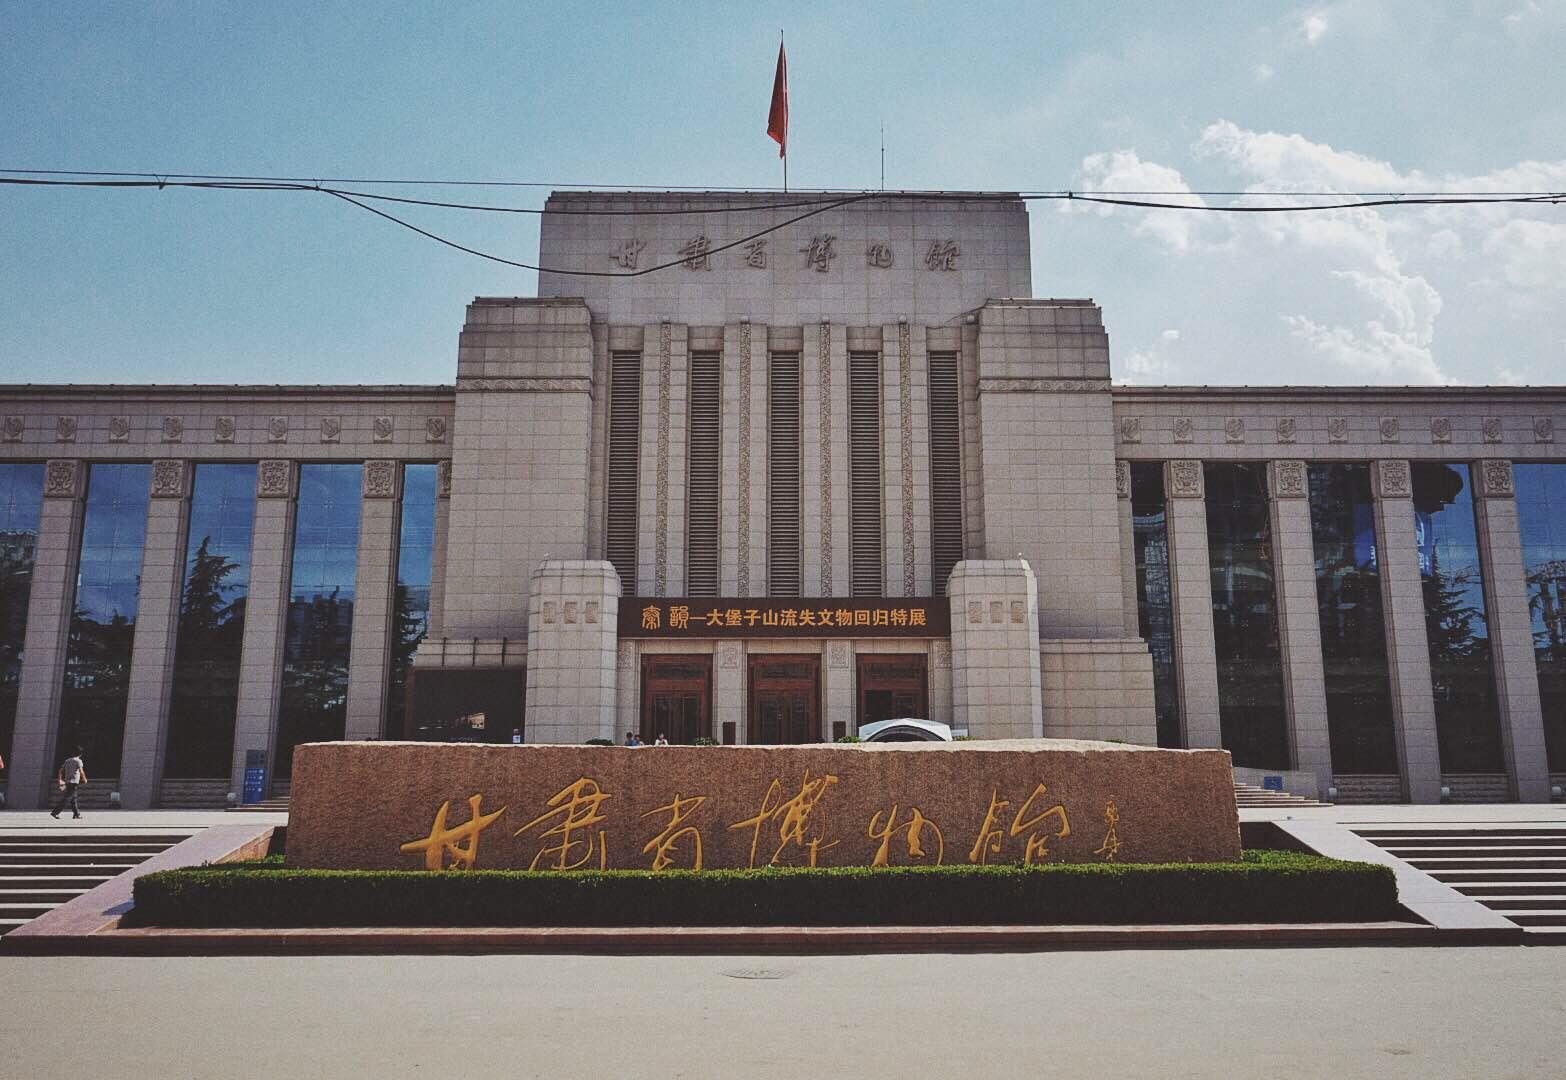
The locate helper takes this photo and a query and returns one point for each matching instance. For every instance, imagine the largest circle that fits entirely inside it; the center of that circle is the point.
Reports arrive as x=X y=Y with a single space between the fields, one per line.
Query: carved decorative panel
x=14 y=426
x=742 y=578
x=1543 y=429
x=1185 y=480
x=1234 y=429
x=1184 y=429
x=1337 y=429
x=1495 y=479
x=1123 y=479
x=661 y=473
x=1388 y=428
x=1130 y=429
x=380 y=479
x=119 y=428
x=275 y=479
x=825 y=370
x=331 y=429
x=1287 y=431
x=223 y=429
x=443 y=479
x=1289 y=480
x=173 y=429
x=65 y=429
x=1492 y=429
x=1392 y=479
x=435 y=429
x=1440 y=429
x=277 y=429
x=170 y=478
x=381 y=428
x=62 y=479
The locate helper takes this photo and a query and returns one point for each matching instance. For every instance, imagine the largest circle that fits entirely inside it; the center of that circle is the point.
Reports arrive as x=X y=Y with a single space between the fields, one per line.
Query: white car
x=906 y=729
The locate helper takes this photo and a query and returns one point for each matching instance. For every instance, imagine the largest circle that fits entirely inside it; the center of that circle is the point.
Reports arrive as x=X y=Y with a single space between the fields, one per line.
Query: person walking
x=71 y=776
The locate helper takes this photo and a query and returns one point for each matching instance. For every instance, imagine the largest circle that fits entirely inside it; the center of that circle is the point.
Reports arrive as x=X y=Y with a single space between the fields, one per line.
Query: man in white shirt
x=71 y=776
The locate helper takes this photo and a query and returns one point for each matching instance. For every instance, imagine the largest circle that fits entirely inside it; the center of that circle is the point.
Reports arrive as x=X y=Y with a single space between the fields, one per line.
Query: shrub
x=600 y=742
x=848 y=739
x=1265 y=886
x=704 y=740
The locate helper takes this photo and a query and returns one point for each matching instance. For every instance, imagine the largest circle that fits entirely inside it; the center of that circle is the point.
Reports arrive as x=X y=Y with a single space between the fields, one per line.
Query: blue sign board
x=1272 y=783
x=255 y=776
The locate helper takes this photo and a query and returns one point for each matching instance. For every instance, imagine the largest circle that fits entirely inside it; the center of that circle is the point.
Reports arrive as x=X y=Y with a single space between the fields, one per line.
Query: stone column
x=369 y=657
x=266 y=616
x=1511 y=631
x=572 y=613
x=1299 y=620
x=823 y=451
x=1408 y=646
x=157 y=631
x=996 y=683
x=728 y=689
x=837 y=689
x=940 y=687
x=660 y=525
x=43 y=648
x=1191 y=591
x=905 y=460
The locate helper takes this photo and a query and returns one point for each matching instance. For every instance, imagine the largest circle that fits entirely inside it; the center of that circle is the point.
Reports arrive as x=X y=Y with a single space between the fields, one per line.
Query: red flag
x=777 y=117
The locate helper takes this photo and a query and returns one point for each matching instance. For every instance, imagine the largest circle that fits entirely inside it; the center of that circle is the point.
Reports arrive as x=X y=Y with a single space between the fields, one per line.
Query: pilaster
x=437 y=627
x=573 y=607
x=1191 y=591
x=369 y=657
x=1511 y=630
x=1130 y=616
x=266 y=615
x=1299 y=620
x=837 y=689
x=48 y=625
x=157 y=630
x=996 y=681
x=1408 y=644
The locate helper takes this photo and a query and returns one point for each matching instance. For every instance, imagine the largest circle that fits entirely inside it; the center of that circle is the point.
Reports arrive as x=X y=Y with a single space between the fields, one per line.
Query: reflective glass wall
x=21 y=501
x=1461 y=674
x=411 y=601
x=1353 y=626
x=1245 y=615
x=205 y=694
x=1155 y=608
x=1541 y=513
x=314 y=701
x=103 y=616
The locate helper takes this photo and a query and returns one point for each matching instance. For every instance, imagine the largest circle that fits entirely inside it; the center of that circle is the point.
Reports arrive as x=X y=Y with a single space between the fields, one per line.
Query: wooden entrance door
x=676 y=698
x=785 y=699
x=892 y=687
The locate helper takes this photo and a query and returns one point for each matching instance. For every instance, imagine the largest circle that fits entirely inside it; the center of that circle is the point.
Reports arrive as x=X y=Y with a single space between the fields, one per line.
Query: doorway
x=676 y=698
x=785 y=700
x=892 y=687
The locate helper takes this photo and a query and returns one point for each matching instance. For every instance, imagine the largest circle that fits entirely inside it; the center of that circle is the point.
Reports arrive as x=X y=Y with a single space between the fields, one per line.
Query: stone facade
x=1042 y=602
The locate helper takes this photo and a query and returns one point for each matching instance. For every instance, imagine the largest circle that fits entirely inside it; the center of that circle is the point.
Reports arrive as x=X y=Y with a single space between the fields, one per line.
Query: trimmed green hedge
x=1266 y=886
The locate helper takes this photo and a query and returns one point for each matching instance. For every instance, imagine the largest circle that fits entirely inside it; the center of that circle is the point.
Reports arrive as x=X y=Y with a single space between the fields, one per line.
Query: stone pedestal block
x=995 y=649
x=1099 y=688
x=572 y=610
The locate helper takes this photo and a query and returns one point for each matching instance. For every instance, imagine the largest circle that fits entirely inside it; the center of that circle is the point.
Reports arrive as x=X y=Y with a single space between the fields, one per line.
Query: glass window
x=1353 y=627
x=103 y=616
x=320 y=609
x=1155 y=609
x=411 y=603
x=1467 y=715
x=211 y=622
x=1245 y=615
x=21 y=501
x=1541 y=515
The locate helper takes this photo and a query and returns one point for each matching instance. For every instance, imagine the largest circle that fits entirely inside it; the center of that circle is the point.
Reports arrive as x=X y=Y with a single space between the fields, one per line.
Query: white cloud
x=1417 y=294
x=1124 y=171
x=1152 y=365
x=1262 y=72
x=1313 y=26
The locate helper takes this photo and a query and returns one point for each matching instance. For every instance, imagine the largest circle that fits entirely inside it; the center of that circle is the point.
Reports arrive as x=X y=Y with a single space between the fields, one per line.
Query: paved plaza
x=1389 y=1012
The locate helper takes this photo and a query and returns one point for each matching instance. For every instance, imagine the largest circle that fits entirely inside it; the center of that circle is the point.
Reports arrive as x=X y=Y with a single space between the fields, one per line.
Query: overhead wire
x=361 y=199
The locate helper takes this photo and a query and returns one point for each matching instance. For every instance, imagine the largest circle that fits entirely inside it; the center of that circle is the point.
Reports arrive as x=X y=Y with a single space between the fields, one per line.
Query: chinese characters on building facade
x=697 y=253
x=919 y=617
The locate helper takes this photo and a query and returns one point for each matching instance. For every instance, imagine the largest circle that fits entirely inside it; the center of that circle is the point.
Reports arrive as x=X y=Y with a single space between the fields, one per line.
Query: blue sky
x=184 y=286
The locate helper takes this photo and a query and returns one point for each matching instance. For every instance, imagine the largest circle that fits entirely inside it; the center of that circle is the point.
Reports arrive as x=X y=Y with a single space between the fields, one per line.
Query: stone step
x=1548 y=845
x=77 y=836
x=49 y=847
x=1505 y=904
x=73 y=858
x=23 y=910
x=8 y=924
x=1479 y=862
x=1384 y=833
x=50 y=882
x=1555 y=917
x=1495 y=875
x=103 y=870
x=51 y=897
x=1495 y=888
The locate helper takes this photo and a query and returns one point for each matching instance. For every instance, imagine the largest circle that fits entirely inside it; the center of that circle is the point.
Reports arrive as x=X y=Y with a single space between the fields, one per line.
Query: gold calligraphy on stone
x=443 y=841
x=1111 y=845
x=792 y=817
x=913 y=830
x=578 y=808
x=651 y=617
x=661 y=845
x=991 y=837
x=679 y=617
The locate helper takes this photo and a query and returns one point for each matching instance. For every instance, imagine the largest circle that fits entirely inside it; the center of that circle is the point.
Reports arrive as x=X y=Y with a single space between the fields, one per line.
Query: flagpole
x=784 y=155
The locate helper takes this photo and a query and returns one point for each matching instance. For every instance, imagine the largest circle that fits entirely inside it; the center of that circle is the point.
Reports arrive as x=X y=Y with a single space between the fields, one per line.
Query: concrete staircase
x=1249 y=795
x=278 y=804
x=1518 y=871
x=40 y=869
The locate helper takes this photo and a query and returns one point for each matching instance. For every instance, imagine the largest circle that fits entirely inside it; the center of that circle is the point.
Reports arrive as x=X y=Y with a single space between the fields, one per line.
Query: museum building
x=763 y=469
